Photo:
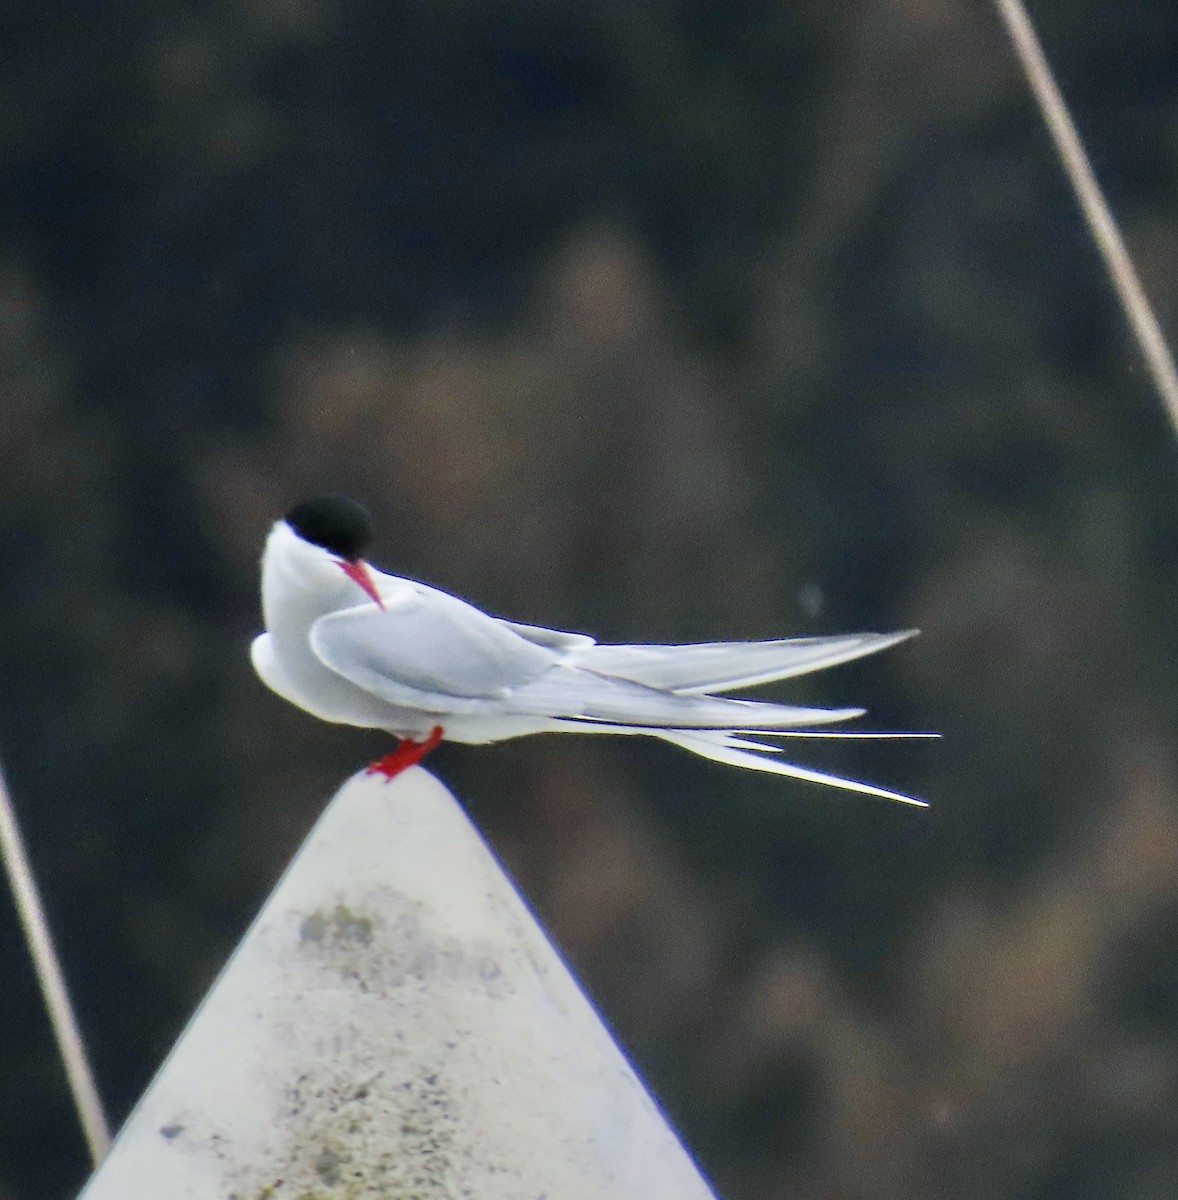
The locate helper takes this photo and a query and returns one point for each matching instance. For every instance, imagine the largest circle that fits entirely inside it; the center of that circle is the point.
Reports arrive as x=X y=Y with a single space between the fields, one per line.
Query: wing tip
x=887 y=640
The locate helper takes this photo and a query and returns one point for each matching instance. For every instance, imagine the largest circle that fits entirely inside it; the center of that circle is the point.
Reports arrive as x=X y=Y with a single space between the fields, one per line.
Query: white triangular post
x=396 y=1024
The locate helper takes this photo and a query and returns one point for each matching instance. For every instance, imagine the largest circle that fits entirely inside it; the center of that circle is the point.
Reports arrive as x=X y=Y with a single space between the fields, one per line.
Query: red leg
x=408 y=754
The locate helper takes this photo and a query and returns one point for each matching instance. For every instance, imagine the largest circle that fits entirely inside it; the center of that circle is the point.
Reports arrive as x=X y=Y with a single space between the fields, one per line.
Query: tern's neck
x=299 y=585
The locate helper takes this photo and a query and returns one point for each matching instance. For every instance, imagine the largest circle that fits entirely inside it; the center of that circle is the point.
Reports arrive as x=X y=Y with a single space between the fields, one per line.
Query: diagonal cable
x=1093 y=204
x=61 y=1014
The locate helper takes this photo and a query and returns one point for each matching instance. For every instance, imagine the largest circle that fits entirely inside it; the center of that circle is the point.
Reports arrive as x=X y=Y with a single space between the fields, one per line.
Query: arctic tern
x=353 y=645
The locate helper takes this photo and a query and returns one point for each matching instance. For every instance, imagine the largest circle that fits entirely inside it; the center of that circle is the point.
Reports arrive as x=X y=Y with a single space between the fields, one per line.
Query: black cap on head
x=336 y=523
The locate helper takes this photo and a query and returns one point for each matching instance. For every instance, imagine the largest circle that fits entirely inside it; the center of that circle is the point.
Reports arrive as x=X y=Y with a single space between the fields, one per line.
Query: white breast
x=300 y=584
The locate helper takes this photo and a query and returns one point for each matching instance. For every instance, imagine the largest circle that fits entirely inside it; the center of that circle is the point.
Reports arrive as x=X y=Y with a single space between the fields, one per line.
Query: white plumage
x=409 y=658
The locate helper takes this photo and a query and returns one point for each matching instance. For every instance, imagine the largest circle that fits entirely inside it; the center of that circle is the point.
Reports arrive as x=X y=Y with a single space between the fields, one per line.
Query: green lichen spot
x=350 y=926
x=342 y=925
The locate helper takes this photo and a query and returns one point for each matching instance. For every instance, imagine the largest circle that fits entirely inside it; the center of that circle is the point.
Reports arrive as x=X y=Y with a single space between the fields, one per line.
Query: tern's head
x=336 y=524
x=335 y=530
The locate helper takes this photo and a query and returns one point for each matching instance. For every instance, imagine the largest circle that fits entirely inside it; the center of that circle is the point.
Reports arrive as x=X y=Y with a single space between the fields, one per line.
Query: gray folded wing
x=432 y=652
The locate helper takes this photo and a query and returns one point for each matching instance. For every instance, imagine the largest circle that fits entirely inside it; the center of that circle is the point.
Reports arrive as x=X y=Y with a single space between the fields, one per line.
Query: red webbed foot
x=408 y=754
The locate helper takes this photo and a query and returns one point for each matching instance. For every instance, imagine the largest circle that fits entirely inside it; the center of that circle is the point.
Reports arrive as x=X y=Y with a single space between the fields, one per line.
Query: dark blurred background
x=664 y=320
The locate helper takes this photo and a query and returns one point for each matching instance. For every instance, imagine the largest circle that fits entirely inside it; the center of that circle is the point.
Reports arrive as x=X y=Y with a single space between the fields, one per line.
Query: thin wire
x=61 y=1014
x=1093 y=204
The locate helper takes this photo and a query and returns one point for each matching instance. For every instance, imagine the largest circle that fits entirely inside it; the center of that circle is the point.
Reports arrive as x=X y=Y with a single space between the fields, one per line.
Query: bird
x=353 y=645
